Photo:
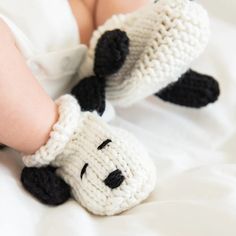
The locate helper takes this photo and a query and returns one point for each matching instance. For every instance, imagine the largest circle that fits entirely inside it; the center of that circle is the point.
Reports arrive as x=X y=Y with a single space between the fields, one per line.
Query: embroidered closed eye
x=83 y=171
x=104 y=144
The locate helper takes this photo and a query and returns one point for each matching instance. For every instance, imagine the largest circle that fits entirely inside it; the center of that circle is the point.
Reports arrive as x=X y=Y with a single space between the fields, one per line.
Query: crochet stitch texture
x=164 y=37
x=107 y=169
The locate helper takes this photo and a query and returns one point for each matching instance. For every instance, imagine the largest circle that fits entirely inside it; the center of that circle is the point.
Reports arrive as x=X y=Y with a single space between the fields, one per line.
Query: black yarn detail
x=191 y=90
x=90 y=93
x=83 y=171
x=100 y=147
x=2 y=146
x=45 y=185
x=111 y=51
x=114 y=179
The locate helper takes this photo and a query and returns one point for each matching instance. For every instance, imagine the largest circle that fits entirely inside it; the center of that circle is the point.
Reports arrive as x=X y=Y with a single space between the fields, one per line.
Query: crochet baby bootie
x=104 y=168
x=163 y=37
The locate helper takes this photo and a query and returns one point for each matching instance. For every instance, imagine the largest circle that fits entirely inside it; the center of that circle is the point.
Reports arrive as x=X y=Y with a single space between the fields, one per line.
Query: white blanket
x=194 y=152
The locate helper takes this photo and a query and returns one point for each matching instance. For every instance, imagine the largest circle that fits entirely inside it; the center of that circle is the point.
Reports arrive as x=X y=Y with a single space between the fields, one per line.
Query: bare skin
x=92 y=13
x=27 y=112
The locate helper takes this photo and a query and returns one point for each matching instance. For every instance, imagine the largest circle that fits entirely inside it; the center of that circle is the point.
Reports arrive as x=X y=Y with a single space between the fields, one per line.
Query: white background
x=225 y=9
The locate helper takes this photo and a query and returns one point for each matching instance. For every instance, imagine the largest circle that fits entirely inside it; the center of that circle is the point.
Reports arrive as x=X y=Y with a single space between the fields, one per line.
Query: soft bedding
x=195 y=155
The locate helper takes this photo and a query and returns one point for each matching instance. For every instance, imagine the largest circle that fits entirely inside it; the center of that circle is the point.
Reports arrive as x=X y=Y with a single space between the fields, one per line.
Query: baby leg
x=83 y=12
x=27 y=112
x=90 y=14
x=105 y=10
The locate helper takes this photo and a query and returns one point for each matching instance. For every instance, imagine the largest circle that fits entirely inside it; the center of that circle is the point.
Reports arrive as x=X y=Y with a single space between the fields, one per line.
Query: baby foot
x=104 y=168
x=164 y=38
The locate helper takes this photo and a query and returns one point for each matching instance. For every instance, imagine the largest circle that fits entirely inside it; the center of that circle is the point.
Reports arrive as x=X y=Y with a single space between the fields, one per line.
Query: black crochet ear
x=45 y=185
x=90 y=93
x=2 y=146
x=191 y=90
x=111 y=51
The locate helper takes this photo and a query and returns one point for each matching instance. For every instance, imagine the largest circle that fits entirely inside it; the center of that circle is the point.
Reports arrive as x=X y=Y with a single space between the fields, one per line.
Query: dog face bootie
x=104 y=168
x=163 y=39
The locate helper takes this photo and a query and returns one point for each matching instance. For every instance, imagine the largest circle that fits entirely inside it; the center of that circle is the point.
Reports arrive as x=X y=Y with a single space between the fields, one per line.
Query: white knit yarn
x=73 y=145
x=124 y=153
x=165 y=38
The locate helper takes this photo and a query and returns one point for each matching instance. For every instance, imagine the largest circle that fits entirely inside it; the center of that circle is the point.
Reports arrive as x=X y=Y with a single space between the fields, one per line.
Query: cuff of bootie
x=63 y=129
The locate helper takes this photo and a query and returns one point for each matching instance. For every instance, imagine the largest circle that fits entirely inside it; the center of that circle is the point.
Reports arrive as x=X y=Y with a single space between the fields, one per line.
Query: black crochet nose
x=114 y=179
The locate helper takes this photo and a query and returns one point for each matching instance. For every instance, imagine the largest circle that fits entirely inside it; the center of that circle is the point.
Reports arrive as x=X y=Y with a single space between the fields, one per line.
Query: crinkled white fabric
x=47 y=35
x=194 y=151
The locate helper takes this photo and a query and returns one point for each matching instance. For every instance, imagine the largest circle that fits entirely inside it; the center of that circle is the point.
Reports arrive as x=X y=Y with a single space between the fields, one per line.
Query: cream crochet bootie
x=104 y=168
x=164 y=38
